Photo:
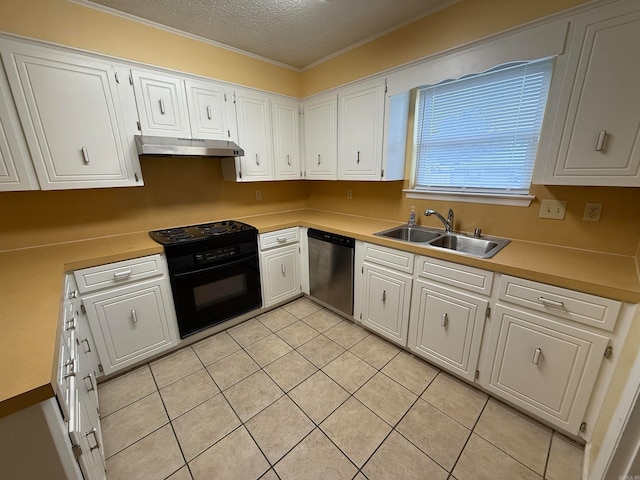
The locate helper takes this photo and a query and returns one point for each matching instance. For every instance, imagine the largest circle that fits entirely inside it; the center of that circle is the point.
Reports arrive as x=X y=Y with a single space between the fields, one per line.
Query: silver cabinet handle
x=536 y=356
x=209 y=112
x=71 y=324
x=358 y=157
x=89 y=388
x=71 y=366
x=73 y=295
x=134 y=316
x=162 y=109
x=445 y=320
x=123 y=274
x=282 y=267
x=289 y=160
x=87 y=346
x=282 y=239
x=257 y=159
x=85 y=155
x=601 y=138
x=95 y=439
x=384 y=296
x=318 y=159
x=550 y=303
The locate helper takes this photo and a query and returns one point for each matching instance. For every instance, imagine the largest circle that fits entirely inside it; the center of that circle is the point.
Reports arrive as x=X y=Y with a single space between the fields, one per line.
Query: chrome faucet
x=448 y=222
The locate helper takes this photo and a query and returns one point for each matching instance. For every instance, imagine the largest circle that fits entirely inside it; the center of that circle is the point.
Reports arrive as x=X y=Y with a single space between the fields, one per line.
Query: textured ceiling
x=293 y=32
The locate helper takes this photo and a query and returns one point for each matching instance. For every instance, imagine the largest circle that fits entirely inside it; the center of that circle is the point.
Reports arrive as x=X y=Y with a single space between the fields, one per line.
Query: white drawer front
x=115 y=274
x=279 y=238
x=389 y=257
x=462 y=276
x=579 y=307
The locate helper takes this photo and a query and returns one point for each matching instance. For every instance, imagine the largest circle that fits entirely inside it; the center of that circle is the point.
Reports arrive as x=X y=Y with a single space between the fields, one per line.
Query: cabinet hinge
x=476 y=375
x=488 y=312
x=135 y=174
x=139 y=126
x=608 y=352
x=386 y=86
x=83 y=309
x=299 y=251
x=100 y=369
x=233 y=97
x=225 y=96
x=361 y=316
x=362 y=271
x=130 y=79
x=382 y=173
x=583 y=427
x=300 y=111
x=229 y=133
x=117 y=78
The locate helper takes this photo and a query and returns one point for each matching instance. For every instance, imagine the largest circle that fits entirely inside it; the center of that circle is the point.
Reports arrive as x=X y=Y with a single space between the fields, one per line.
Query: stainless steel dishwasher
x=331 y=269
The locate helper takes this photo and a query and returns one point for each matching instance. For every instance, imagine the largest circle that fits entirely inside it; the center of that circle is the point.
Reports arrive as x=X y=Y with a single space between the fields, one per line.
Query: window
x=479 y=134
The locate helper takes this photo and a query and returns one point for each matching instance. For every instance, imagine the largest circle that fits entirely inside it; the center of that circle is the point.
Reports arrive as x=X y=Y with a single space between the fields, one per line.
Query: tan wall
x=177 y=191
x=461 y=23
x=618 y=230
x=73 y=25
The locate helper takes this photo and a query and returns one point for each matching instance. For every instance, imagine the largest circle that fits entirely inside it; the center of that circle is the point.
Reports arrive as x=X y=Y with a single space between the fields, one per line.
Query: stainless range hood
x=186 y=147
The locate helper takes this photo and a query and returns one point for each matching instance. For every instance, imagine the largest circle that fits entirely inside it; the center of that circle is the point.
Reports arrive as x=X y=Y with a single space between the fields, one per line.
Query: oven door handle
x=197 y=270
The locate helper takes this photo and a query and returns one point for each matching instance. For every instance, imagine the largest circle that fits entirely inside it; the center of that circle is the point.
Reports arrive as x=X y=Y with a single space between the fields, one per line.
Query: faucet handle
x=477 y=233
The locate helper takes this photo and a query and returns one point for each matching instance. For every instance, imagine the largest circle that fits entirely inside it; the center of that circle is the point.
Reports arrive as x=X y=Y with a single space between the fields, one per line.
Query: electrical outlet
x=552 y=209
x=592 y=211
x=349 y=194
x=258 y=194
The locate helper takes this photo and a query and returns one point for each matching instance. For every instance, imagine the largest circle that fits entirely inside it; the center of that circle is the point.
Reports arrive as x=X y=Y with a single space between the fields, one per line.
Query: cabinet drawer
x=579 y=307
x=115 y=274
x=389 y=257
x=279 y=237
x=462 y=276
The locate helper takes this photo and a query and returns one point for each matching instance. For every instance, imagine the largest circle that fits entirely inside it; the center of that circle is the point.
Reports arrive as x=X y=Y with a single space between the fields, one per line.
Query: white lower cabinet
x=386 y=302
x=446 y=327
x=280 y=266
x=129 y=309
x=542 y=365
x=382 y=290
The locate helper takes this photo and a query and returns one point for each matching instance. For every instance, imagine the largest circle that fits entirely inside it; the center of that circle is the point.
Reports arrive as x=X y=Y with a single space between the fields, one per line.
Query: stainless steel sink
x=479 y=247
x=411 y=234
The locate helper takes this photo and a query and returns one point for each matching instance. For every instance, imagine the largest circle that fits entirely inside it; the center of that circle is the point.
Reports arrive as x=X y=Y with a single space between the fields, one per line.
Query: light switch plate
x=555 y=209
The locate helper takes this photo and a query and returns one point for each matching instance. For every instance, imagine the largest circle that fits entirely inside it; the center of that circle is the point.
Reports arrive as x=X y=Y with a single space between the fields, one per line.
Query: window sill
x=488 y=198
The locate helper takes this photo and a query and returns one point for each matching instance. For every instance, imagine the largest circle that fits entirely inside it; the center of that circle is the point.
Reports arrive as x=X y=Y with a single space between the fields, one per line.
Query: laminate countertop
x=32 y=285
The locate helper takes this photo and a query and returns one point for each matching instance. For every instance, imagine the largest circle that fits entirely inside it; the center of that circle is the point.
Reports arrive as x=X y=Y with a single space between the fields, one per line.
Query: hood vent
x=186 y=147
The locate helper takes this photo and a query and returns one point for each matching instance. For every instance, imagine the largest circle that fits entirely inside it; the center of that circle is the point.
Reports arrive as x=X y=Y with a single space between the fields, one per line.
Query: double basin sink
x=479 y=247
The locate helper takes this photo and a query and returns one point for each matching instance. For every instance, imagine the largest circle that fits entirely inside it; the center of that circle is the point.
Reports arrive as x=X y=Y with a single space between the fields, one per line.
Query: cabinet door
x=320 y=133
x=16 y=168
x=280 y=274
x=70 y=110
x=286 y=138
x=360 y=128
x=254 y=135
x=387 y=295
x=599 y=142
x=446 y=327
x=211 y=111
x=162 y=104
x=545 y=366
x=129 y=324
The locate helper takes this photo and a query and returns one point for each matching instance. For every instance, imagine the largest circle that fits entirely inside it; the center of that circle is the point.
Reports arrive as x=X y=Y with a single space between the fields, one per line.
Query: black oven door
x=211 y=295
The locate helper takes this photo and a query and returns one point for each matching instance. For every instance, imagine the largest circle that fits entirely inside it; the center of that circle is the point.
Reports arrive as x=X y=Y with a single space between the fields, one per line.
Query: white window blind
x=480 y=133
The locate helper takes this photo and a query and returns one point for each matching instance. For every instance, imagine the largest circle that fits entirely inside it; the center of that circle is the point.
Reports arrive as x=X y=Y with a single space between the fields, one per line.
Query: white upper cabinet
x=286 y=138
x=592 y=137
x=211 y=111
x=72 y=117
x=360 y=131
x=321 y=133
x=162 y=104
x=16 y=169
x=253 y=111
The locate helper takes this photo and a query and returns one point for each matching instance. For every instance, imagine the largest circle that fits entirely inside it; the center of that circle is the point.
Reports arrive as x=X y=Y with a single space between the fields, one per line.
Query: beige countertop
x=32 y=281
